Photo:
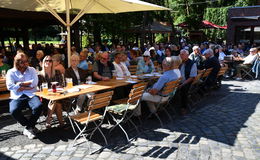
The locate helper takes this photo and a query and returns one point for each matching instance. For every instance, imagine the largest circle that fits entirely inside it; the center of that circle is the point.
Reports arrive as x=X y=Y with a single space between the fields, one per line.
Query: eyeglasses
x=22 y=62
x=48 y=60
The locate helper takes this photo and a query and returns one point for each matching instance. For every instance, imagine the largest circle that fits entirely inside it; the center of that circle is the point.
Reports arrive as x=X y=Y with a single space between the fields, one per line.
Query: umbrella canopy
x=204 y=24
x=155 y=27
x=79 y=7
x=95 y=6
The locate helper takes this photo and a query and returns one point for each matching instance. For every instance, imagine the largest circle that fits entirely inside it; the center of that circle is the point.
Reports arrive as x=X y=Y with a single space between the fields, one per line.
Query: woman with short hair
x=57 y=60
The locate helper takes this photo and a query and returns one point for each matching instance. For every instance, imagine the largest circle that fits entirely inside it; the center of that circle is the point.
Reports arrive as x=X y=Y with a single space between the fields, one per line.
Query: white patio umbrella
x=78 y=7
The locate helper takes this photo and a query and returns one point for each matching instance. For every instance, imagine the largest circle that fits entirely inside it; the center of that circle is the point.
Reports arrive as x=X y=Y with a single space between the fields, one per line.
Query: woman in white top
x=78 y=76
x=120 y=68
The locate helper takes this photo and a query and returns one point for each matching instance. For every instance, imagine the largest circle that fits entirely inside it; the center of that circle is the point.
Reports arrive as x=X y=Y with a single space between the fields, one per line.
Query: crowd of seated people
x=175 y=60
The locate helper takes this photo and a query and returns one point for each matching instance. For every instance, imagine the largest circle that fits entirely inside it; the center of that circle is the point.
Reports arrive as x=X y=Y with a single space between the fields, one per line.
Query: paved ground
x=224 y=127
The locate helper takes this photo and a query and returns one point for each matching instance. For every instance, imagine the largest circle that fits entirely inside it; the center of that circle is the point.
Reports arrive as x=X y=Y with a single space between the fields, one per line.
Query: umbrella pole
x=68 y=30
x=68 y=45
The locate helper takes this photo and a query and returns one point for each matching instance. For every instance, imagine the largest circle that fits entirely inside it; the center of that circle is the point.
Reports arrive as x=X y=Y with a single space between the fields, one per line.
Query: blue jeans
x=17 y=105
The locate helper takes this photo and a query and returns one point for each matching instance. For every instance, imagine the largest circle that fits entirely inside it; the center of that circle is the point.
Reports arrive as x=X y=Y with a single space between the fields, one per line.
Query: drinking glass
x=69 y=82
x=54 y=86
x=3 y=73
x=114 y=74
x=89 y=80
x=45 y=88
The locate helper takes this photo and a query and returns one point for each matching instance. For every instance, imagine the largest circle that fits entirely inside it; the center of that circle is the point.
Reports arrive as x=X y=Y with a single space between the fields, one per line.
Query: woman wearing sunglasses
x=48 y=75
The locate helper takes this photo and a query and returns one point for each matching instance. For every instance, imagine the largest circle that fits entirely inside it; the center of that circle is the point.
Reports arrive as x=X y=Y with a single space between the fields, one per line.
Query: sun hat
x=147 y=54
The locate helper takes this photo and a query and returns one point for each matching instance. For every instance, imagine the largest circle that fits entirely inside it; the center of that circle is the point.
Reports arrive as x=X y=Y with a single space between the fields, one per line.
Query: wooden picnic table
x=3 y=84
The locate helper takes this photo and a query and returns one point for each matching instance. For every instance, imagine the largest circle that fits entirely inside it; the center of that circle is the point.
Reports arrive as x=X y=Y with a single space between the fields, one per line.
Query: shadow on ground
x=218 y=117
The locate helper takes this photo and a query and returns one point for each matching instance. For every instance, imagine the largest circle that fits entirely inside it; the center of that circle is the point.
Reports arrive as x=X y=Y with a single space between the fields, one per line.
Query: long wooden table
x=100 y=85
x=113 y=83
x=3 y=84
x=58 y=96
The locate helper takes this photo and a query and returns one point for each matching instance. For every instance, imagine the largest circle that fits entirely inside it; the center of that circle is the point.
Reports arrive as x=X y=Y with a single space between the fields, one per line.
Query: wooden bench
x=4 y=93
x=132 y=69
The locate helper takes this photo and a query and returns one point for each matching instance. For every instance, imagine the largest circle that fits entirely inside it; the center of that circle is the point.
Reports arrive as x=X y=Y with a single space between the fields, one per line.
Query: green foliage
x=48 y=33
x=85 y=41
x=219 y=17
x=243 y=3
x=188 y=11
x=160 y=38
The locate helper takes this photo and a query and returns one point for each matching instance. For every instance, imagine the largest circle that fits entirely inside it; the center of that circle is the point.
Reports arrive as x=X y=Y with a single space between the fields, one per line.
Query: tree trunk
x=170 y=20
x=76 y=35
x=2 y=38
x=25 y=34
x=17 y=37
x=96 y=33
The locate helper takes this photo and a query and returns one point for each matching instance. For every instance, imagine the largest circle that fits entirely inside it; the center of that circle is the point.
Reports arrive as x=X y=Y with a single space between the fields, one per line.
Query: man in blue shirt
x=22 y=81
x=83 y=60
x=153 y=95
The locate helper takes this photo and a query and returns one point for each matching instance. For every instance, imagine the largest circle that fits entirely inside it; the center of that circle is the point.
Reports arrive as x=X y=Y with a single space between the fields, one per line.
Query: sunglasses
x=48 y=60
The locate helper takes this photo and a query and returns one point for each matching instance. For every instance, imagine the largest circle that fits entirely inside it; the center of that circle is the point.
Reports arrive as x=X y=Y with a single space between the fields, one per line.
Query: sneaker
x=29 y=133
x=238 y=79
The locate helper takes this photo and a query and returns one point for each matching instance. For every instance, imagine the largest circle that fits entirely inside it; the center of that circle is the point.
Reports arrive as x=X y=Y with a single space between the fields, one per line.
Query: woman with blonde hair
x=47 y=75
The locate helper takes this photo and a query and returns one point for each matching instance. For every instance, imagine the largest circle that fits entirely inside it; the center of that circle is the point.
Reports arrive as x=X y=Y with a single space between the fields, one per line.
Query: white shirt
x=14 y=78
x=177 y=72
x=121 y=69
x=193 y=71
x=221 y=56
x=77 y=74
x=249 y=59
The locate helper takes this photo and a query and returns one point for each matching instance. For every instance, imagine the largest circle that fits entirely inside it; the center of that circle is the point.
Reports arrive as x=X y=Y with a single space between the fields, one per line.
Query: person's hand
x=26 y=83
x=180 y=86
x=22 y=88
x=153 y=91
x=105 y=78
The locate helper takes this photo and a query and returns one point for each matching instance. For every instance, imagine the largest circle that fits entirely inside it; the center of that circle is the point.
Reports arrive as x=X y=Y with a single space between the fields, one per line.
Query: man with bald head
x=102 y=69
x=153 y=95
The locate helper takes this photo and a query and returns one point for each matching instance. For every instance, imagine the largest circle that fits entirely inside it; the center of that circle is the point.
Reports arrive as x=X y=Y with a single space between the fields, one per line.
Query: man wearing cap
x=145 y=65
x=248 y=61
x=196 y=57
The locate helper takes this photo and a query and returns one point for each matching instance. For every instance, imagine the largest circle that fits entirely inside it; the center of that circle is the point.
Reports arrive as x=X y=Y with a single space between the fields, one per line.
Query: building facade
x=243 y=25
